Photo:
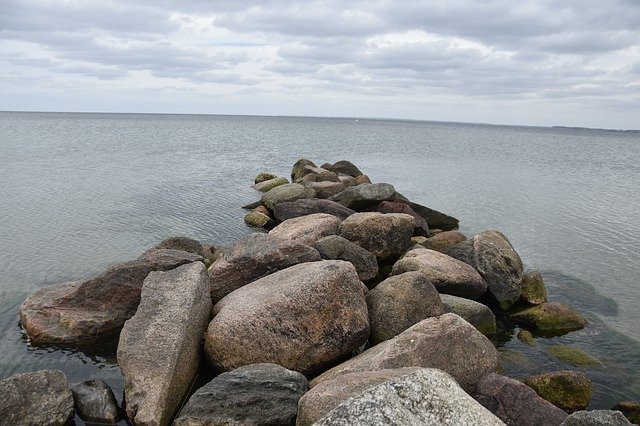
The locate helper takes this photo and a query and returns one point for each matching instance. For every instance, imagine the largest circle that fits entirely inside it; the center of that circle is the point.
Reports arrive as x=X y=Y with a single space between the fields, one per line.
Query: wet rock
x=399 y=302
x=516 y=403
x=421 y=227
x=325 y=189
x=268 y=185
x=334 y=247
x=305 y=318
x=526 y=337
x=288 y=210
x=568 y=390
x=630 y=409
x=387 y=236
x=284 y=193
x=448 y=275
x=443 y=240
x=573 y=356
x=259 y=220
x=434 y=218
x=478 y=315
x=95 y=402
x=362 y=196
x=307 y=229
x=253 y=257
x=427 y=396
x=37 y=398
x=550 y=318
x=264 y=176
x=181 y=243
x=159 y=347
x=447 y=342
x=533 y=289
x=300 y=169
x=257 y=394
x=346 y=168
x=596 y=418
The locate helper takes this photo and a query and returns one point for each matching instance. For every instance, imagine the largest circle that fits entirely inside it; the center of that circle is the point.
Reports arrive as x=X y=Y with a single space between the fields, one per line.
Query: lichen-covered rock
x=387 y=236
x=630 y=409
x=37 y=398
x=526 y=337
x=325 y=189
x=284 y=193
x=568 y=390
x=300 y=169
x=305 y=318
x=434 y=218
x=362 y=196
x=421 y=226
x=288 y=210
x=596 y=418
x=447 y=342
x=264 y=176
x=478 y=315
x=551 y=318
x=95 y=402
x=307 y=229
x=399 y=302
x=345 y=167
x=259 y=220
x=257 y=394
x=443 y=240
x=334 y=247
x=253 y=257
x=268 y=185
x=533 y=289
x=573 y=356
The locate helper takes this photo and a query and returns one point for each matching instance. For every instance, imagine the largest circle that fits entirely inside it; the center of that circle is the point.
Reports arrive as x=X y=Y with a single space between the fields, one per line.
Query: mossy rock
x=253 y=205
x=568 y=390
x=508 y=357
x=573 y=356
x=259 y=220
x=287 y=192
x=550 y=318
x=479 y=315
x=533 y=289
x=264 y=176
x=268 y=185
x=526 y=337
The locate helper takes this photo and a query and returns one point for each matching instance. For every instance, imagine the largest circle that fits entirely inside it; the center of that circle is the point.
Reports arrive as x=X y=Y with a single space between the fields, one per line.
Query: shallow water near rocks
x=80 y=192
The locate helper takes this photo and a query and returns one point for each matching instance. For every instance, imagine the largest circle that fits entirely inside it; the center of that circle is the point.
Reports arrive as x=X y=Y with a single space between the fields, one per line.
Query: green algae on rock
x=573 y=356
x=533 y=289
x=569 y=390
x=526 y=337
x=551 y=318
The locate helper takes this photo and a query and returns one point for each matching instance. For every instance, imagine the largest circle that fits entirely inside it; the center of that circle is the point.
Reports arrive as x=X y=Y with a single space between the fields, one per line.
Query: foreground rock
x=434 y=218
x=493 y=256
x=304 y=318
x=630 y=409
x=95 y=402
x=258 y=394
x=387 y=236
x=399 y=302
x=446 y=342
x=516 y=403
x=288 y=210
x=85 y=313
x=551 y=318
x=448 y=275
x=596 y=418
x=159 y=348
x=533 y=289
x=421 y=226
x=478 y=315
x=38 y=398
x=253 y=257
x=307 y=229
x=334 y=247
x=284 y=193
x=426 y=396
x=568 y=390
x=362 y=196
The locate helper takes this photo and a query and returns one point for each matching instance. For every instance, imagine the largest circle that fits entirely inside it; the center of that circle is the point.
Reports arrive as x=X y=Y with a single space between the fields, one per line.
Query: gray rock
x=426 y=397
x=443 y=240
x=596 y=418
x=447 y=342
x=307 y=229
x=181 y=243
x=304 y=318
x=363 y=179
x=284 y=193
x=516 y=403
x=335 y=247
x=288 y=210
x=421 y=226
x=361 y=196
x=434 y=218
x=38 y=398
x=95 y=402
x=325 y=189
x=264 y=176
x=253 y=257
x=346 y=168
x=399 y=302
x=268 y=185
x=300 y=169
x=318 y=174
x=479 y=315
x=257 y=394
x=348 y=180
x=167 y=259
x=159 y=347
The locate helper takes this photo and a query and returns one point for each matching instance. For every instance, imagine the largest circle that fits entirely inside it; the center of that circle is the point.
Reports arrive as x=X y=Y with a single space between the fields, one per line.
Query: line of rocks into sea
x=358 y=306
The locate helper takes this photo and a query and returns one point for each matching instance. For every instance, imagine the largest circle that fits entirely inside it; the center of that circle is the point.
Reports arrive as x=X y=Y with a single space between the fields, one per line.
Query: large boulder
x=257 y=394
x=300 y=169
x=399 y=302
x=268 y=185
x=448 y=275
x=305 y=318
x=421 y=226
x=346 y=168
x=38 y=398
x=426 y=397
x=434 y=218
x=443 y=240
x=334 y=247
x=553 y=318
x=533 y=289
x=307 y=229
x=95 y=402
x=516 y=403
x=253 y=257
x=479 y=315
x=362 y=196
x=596 y=418
x=568 y=390
x=284 y=193
x=387 y=236
x=159 y=347
x=493 y=256
x=446 y=342
x=325 y=189
x=288 y=210
x=93 y=311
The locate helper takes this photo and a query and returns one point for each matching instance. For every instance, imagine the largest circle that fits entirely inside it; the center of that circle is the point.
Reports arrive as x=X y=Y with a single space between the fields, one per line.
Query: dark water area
x=81 y=192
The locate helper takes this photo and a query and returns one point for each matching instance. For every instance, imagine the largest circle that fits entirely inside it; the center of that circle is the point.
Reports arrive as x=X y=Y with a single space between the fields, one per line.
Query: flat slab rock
x=362 y=196
x=257 y=394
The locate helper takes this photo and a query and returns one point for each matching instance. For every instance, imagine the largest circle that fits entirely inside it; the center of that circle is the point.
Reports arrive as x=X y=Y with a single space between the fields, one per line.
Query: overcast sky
x=534 y=62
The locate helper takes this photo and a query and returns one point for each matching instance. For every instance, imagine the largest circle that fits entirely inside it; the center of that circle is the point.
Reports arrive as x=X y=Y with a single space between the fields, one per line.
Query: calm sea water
x=80 y=192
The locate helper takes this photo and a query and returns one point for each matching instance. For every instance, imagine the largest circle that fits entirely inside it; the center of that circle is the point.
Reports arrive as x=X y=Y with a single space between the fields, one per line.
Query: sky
x=529 y=62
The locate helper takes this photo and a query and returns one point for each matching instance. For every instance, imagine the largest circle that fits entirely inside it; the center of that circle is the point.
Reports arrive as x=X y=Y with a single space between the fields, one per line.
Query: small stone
x=95 y=402
x=568 y=390
x=573 y=356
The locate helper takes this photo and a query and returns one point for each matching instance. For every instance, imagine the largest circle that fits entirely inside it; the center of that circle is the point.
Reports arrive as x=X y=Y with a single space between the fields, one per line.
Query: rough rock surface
x=478 y=315
x=325 y=189
x=596 y=418
x=253 y=257
x=284 y=193
x=399 y=302
x=268 y=185
x=307 y=229
x=424 y=397
x=361 y=196
x=448 y=275
x=443 y=240
x=387 y=236
x=434 y=218
x=348 y=180
x=630 y=409
x=264 y=176
x=318 y=174
x=533 y=289
x=257 y=394
x=516 y=403
x=181 y=243
x=421 y=226
x=259 y=220
x=493 y=256
x=305 y=318
x=345 y=167
x=159 y=347
x=446 y=342
x=568 y=390
x=335 y=247
x=95 y=402
x=38 y=398
x=300 y=168
x=551 y=318
x=288 y=210
x=84 y=313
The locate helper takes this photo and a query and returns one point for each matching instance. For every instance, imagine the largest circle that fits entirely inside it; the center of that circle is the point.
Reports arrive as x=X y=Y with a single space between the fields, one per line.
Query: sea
x=82 y=191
